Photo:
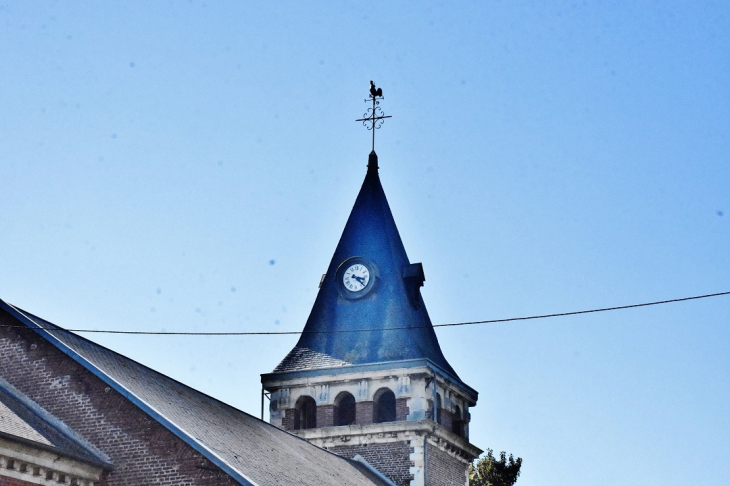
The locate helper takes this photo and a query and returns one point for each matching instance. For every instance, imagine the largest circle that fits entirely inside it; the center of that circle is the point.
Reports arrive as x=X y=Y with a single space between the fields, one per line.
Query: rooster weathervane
x=374 y=117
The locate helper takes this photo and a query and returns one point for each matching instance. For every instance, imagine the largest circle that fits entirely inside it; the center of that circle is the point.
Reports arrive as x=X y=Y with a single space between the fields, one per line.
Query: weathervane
x=374 y=117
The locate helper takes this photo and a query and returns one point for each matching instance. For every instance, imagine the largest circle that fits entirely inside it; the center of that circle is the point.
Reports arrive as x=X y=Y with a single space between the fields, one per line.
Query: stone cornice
x=387 y=432
x=40 y=466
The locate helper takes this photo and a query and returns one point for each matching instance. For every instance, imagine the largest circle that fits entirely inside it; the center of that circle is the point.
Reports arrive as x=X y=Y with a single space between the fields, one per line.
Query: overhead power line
x=454 y=324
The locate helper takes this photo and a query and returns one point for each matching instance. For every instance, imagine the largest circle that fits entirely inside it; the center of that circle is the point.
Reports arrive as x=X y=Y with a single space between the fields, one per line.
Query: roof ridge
x=126 y=358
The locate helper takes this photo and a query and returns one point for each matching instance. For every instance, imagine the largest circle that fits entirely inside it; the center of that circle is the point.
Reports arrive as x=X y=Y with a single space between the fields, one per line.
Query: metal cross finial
x=374 y=117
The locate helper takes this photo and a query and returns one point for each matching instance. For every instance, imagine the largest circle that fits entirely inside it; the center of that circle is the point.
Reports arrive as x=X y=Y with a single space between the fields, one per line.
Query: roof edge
x=361 y=461
x=144 y=406
x=97 y=457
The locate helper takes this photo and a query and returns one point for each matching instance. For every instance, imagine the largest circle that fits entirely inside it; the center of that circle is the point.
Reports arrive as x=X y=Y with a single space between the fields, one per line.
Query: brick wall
x=445 y=419
x=287 y=423
x=393 y=459
x=364 y=413
x=141 y=450
x=325 y=415
x=401 y=409
x=444 y=470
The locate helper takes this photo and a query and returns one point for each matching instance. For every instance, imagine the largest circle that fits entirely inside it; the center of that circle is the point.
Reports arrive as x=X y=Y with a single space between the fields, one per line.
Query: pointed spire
x=373 y=161
x=369 y=308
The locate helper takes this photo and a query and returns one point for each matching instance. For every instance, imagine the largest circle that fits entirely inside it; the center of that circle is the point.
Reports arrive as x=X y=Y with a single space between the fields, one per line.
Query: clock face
x=356 y=277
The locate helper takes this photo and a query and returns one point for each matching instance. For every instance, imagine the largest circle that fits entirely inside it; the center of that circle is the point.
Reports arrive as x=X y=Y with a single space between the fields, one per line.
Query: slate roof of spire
x=250 y=450
x=382 y=326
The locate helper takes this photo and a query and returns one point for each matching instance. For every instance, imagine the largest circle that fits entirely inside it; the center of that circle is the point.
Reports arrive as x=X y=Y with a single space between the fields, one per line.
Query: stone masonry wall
x=392 y=459
x=444 y=470
x=13 y=482
x=142 y=451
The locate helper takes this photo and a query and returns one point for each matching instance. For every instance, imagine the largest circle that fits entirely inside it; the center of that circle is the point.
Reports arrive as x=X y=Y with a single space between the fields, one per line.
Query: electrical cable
x=282 y=333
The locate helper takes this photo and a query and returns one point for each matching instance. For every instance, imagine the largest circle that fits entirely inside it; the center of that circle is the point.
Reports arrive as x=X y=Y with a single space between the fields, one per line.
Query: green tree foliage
x=490 y=471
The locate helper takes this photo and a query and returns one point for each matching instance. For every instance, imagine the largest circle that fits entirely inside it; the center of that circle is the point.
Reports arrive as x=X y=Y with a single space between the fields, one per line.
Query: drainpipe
x=262 y=402
x=435 y=410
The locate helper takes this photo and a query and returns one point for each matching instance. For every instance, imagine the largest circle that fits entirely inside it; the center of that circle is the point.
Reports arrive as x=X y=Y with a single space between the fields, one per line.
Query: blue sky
x=189 y=166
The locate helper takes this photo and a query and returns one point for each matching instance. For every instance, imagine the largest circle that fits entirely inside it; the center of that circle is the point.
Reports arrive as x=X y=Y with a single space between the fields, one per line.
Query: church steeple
x=382 y=321
x=367 y=379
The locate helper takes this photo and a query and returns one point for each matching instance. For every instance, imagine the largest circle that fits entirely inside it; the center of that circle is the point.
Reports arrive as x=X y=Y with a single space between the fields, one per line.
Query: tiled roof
x=12 y=423
x=250 y=450
x=21 y=418
x=306 y=359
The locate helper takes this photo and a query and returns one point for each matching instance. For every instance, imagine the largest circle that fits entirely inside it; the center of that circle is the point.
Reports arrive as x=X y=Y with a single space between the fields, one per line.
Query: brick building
x=367 y=377
x=73 y=412
x=365 y=398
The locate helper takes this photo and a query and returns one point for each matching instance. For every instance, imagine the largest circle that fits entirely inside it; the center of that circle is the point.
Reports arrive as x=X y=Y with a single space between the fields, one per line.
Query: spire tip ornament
x=374 y=118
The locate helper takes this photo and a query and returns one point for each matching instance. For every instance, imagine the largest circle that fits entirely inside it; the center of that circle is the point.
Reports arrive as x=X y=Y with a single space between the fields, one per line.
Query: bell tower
x=367 y=379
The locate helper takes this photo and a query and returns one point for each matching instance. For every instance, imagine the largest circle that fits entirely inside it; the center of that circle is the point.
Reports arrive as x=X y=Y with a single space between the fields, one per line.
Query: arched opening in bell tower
x=344 y=409
x=384 y=405
x=457 y=422
x=306 y=413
